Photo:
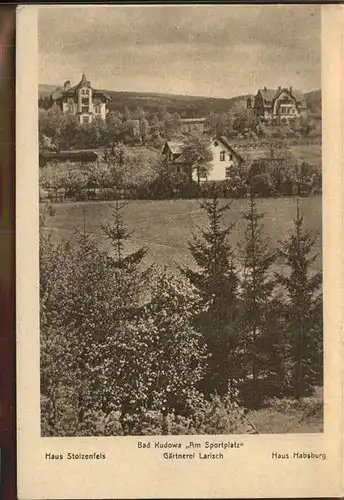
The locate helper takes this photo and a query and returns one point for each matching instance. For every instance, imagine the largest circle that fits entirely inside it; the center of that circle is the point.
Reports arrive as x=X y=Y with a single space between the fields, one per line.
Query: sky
x=201 y=50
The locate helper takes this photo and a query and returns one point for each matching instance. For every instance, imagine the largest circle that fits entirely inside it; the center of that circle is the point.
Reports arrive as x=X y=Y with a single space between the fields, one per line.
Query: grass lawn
x=287 y=416
x=165 y=227
x=309 y=153
x=135 y=151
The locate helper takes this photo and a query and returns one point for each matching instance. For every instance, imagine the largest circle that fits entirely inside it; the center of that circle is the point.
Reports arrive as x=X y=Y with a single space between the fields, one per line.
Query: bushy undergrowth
x=129 y=350
x=277 y=172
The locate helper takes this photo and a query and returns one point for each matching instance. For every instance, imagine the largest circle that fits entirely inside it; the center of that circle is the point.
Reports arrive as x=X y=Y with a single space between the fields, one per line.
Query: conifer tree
x=130 y=276
x=302 y=308
x=256 y=288
x=128 y=272
x=215 y=279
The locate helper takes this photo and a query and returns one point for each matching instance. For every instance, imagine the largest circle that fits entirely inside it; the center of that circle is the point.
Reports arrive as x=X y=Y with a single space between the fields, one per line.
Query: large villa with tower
x=81 y=100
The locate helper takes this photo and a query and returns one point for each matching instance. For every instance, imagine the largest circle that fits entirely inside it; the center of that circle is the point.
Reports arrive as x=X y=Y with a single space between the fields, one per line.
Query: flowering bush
x=103 y=352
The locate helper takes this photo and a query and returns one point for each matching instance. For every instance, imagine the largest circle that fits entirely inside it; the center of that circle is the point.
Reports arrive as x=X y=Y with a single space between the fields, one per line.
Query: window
x=84 y=109
x=97 y=109
x=216 y=143
x=85 y=119
x=222 y=156
x=228 y=172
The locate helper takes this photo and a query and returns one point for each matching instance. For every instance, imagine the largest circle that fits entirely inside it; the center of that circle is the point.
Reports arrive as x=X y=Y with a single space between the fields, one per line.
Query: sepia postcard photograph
x=179 y=230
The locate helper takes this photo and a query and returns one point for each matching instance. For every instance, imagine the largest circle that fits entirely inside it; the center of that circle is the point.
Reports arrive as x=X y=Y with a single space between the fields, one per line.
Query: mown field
x=166 y=226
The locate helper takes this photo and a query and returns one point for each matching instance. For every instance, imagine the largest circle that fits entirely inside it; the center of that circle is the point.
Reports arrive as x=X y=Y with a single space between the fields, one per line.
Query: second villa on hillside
x=278 y=105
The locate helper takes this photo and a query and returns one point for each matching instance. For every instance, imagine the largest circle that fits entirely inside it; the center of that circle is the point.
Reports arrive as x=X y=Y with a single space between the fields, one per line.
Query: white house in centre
x=225 y=158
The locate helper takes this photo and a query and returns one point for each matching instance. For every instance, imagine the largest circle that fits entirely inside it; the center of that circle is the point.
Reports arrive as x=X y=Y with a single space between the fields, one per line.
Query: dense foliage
x=138 y=126
x=302 y=309
x=145 y=174
x=263 y=329
x=127 y=349
x=216 y=281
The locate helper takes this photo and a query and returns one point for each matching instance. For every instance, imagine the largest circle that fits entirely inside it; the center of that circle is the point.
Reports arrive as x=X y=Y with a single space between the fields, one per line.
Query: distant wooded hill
x=186 y=106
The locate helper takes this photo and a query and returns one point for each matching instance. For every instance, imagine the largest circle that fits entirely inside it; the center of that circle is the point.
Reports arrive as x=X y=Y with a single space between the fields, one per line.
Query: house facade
x=82 y=100
x=283 y=104
x=224 y=159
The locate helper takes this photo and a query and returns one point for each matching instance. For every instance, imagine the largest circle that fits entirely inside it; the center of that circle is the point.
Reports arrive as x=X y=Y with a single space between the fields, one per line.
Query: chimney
x=290 y=89
x=264 y=89
x=279 y=88
x=66 y=85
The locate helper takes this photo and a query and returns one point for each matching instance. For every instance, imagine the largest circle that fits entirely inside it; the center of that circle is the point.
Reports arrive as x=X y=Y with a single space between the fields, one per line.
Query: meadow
x=166 y=226
x=303 y=152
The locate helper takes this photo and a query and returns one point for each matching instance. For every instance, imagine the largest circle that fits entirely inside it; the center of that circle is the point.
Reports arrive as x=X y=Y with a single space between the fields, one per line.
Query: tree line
x=64 y=131
x=130 y=349
x=59 y=131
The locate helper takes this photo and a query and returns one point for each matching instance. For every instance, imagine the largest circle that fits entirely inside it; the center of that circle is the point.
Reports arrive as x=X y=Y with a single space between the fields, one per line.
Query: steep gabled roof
x=272 y=94
x=61 y=92
x=175 y=147
x=103 y=93
x=83 y=82
x=58 y=92
x=268 y=94
x=299 y=96
x=224 y=140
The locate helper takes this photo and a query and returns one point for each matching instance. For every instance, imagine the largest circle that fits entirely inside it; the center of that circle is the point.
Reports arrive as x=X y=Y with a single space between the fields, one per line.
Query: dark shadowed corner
x=7 y=245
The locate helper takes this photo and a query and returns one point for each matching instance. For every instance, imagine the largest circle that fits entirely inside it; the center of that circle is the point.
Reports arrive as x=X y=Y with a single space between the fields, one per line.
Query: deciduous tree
x=196 y=156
